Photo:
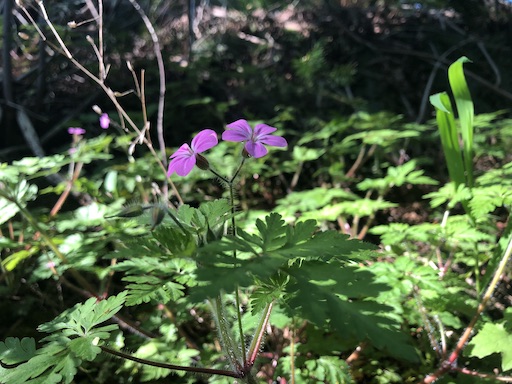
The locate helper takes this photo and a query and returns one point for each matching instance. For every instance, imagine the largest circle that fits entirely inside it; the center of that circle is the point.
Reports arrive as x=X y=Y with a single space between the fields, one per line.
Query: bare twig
x=108 y=91
x=6 y=54
x=161 y=71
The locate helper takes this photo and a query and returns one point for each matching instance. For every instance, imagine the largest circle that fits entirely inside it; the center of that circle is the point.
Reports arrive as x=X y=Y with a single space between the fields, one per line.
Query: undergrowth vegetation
x=364 y=249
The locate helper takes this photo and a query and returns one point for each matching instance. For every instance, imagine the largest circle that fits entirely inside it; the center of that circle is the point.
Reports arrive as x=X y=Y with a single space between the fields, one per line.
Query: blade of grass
x=465 y=111
x=449 y=137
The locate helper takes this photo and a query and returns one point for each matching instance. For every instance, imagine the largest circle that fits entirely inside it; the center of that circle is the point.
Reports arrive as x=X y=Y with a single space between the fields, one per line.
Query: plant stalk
x=449 y=363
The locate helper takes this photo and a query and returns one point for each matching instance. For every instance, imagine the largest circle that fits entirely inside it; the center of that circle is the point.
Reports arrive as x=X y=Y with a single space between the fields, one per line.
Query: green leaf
x=272 y=232
x=84 y=347
x=449 y=137
x=14 y=350
x=382 y=137
x=110 y=183
x=51 y=364
x=438 y=101
x=11 y=261
x=360 y=207
x=486 y=199
x=465 y=110
x=340 y=297
x=31 y=166
x=207 y=221
x=449 y=193
x=21 y=192
x=328 y=369
x=397 y=176
x=143 y=289
x=176 y=242
x=312 y=200
x=268 y=291
x=74 y=337
x=303 y=154
x=82 y=318
x=493 y=338
x=261 y=255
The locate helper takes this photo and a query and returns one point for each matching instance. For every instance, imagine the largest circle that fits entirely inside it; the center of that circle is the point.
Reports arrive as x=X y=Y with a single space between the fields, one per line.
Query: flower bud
x=157 y=215
x=202 y=163
x=131 y=211
x=246 y=154
x=104 y=121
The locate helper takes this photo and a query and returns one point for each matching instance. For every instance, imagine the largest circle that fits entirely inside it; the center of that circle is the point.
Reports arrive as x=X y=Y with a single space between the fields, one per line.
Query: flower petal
x=274 y=141
x=183 y=151
x=255 y=149
x=239 y=130
x=181 y=165
x=204 y=140
x=263 y=129
x=104 y=121
x=76 y=131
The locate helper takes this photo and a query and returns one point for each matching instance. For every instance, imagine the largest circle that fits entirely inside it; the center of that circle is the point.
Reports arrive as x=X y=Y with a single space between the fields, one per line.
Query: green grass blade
x=449 y=137
x=465 y=110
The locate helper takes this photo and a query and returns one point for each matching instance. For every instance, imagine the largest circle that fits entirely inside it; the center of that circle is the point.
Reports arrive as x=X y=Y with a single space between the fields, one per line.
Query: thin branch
x=6 y=52
x=161 y=72
x=111 y=94
x=491 y=62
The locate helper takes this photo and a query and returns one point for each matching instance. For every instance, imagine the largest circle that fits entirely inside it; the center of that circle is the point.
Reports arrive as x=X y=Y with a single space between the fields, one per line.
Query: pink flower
x=255 y=140
x=104 y=121
x=184 y=159
x=76 y=131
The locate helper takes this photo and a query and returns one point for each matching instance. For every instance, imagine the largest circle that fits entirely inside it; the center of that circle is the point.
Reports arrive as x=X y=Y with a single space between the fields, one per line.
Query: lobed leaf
x=493 y=338
x=143 y=289
x=14 y=350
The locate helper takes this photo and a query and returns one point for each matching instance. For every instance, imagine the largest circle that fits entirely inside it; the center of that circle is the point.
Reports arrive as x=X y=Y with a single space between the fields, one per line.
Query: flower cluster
x=186 y=157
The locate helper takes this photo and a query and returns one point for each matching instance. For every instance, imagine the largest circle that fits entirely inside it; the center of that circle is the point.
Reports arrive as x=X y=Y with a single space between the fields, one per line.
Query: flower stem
x=225 y=334
x=258 y=335
x=230 y=184
x=209 y=371
x=233 y=228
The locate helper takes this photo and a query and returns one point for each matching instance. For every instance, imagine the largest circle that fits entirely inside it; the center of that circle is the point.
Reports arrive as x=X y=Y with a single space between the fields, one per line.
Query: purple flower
x=104 y=121
x=255 y=140
x=184 y=159
x=76 y=131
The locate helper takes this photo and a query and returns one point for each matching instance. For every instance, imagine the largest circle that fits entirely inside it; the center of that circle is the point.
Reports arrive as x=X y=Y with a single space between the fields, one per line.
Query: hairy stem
x=208 y=371
x=258 y=335
x=225 y=334
x=230 y=184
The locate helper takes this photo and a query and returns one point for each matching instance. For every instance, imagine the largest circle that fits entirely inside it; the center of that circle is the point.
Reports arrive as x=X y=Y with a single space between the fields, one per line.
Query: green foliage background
x=348 y=84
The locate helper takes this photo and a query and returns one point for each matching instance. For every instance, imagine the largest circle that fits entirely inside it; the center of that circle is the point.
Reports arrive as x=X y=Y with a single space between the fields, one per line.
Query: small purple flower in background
x=184 y=159
x=76 y=131
x=104 y=121
x=255 y=140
